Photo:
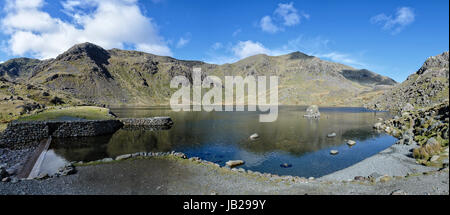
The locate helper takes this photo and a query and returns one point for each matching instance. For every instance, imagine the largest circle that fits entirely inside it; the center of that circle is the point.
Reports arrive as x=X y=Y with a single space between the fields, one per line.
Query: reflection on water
x=223 y=136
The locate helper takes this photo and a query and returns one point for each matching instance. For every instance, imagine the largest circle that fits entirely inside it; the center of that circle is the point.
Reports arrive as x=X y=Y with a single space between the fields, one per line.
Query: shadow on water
x=223 y=136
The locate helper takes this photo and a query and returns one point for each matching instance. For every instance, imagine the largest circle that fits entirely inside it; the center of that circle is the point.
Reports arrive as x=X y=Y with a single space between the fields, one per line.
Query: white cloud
x=238 y=31
x=320 y=47
x=403 y=17
x=284 y=14
x=217 y=46
x=23 y=4
x=267 y=25
x=288 y=13
x=109 y=23
x=307 y=44
x=249 y=48
x=314 y=46
x=219 y=60
x=305 y=15
x=70 y=5
x=221 y=54
x=340 y=58
x=182 y=42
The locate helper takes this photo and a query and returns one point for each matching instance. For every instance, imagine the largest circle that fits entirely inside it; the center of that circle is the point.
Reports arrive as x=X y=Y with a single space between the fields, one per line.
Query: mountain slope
x=428 y=86
x=18 y=68
x=118 y=77
x=306 y=80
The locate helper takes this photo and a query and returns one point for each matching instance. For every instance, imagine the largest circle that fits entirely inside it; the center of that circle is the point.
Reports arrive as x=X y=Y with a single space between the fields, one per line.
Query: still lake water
x=223 y=136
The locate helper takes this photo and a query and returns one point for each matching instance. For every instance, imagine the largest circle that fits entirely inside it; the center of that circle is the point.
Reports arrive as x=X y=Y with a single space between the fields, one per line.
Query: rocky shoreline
x=155 y=173
x=426 y=130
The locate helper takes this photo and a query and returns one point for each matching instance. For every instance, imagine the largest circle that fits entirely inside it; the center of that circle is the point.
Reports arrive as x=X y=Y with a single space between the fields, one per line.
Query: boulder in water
x=331 y=135
x=254 y=136
x=351 y=143
x=312 y=112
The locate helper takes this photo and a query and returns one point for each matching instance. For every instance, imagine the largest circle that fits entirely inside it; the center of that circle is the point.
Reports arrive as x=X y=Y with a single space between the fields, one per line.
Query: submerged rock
x=234 y=163
x=312 y=112
x=286 y=165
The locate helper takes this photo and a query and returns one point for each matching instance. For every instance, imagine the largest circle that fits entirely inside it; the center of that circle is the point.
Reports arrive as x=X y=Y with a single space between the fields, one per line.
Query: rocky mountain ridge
x=425 y=88
x=93 y=75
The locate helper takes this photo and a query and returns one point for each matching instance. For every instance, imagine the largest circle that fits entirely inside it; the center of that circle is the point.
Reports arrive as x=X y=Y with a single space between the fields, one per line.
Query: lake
x=221 y=136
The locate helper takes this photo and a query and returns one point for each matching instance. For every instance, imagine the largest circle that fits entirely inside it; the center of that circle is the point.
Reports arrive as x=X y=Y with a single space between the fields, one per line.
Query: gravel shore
x=394 y=161
x=167 y=175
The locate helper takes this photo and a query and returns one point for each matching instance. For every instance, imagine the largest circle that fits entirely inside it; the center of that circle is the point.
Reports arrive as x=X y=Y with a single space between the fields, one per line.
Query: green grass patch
x=82 y=112
x=3 y=126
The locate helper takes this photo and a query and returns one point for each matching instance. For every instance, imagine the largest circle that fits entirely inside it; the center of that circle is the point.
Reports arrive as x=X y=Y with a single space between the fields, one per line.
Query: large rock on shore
x=312 y=112
x=234 y=163
x=407 y=108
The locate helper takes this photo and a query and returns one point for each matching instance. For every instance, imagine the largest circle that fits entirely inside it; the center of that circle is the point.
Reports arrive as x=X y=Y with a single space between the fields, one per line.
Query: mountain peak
x=298 y=55
x=435 y=63
x=90 y=50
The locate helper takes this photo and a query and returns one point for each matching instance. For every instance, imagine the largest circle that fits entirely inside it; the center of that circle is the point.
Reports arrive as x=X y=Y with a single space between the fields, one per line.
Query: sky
x=392 y=38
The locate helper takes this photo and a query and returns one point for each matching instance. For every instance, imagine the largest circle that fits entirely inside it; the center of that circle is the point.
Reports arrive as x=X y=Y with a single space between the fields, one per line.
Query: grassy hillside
x=81 y=112
x=19 y=99
x=92 y=75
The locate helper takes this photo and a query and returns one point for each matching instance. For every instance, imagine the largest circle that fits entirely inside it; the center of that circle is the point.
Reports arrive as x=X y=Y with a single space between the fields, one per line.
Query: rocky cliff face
x=425 y=88
x=18 y=68
x=116 y=77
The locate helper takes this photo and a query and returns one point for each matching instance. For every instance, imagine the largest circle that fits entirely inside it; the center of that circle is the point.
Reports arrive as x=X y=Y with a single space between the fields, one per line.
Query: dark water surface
x=223 y=136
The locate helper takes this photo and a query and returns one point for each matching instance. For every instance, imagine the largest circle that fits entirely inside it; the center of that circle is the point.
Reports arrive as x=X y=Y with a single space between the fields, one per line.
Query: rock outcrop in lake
x=427 y=87
x=312 y=112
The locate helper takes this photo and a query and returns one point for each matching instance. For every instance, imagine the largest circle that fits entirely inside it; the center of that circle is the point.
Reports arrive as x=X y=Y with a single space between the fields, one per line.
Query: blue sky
x=392 y=38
